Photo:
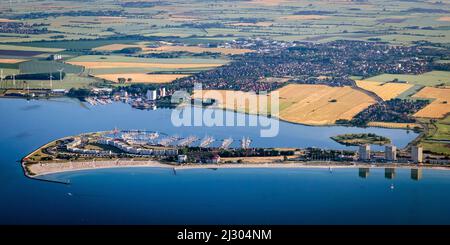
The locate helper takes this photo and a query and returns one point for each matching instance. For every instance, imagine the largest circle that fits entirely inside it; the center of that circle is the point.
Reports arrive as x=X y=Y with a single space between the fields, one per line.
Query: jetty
x=245 y=142
x=208 y=140
x=226 y=143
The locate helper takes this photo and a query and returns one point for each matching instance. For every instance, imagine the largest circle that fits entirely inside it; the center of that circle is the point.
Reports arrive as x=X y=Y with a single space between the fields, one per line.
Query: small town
x=267 y=113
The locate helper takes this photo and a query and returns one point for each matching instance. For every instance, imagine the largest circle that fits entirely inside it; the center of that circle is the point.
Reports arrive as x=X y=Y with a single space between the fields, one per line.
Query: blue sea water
x=202 y=196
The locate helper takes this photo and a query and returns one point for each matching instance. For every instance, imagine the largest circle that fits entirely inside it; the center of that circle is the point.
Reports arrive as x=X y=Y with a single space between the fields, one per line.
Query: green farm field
x=117 y=58
x=69 y=81
x=427 y=79
x=437 y=139
x=30 y=48
x=392 y=21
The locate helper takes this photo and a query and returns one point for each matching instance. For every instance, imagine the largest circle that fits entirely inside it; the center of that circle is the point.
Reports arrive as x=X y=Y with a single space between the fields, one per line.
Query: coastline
x=37 y=170
x=252 y=114
x=388 y=125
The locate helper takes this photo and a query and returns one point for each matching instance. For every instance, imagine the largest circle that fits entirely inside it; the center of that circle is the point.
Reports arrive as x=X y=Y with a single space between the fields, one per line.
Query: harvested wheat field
x=305 y=104
x=321 y=104
x=11 y=61
x=105 y=65
x=439 y=107
x=6 y=20
x=142 y=77
x=444 y=18
x=228 y=99
x=386 y=91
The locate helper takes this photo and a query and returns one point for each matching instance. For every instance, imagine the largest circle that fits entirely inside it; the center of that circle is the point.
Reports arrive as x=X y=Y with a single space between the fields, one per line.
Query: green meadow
x=427 y=79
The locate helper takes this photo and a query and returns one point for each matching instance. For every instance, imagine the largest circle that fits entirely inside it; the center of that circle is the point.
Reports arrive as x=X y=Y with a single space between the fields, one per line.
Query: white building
x=364 y=152
x=417 y=154
x=162 y=92
x=214 y=160
x=182 y=158
x=124 y=94
x=151 y=95
x=390 y=153
x=55 y=57
x=59 y=91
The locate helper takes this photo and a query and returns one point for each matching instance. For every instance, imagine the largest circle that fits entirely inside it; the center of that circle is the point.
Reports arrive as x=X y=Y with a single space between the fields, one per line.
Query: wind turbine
x=51 y=81
x=1 y=77
x=28 y=87
x=14 y=80
x=60 y=74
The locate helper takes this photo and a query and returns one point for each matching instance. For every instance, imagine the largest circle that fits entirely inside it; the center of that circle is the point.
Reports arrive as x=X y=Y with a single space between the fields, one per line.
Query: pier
x=208 y=140
x=245 y=142
x=226 y=143
x=187 y=141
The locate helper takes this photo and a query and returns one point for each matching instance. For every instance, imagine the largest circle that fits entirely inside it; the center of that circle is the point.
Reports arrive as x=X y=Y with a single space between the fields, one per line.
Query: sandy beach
x=40 y=169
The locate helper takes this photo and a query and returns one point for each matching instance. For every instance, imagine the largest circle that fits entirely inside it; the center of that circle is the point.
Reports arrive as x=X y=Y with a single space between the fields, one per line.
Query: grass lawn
x=443 y=129
x=439 y=148
x=438 y=132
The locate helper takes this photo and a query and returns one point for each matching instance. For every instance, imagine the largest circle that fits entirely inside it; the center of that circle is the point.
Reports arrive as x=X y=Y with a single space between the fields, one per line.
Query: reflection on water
x=364 y=172
x=416 y=173
x=22 y=135
x=389 y=173
x=202 y=196
x=30 y=107
x=65 y=117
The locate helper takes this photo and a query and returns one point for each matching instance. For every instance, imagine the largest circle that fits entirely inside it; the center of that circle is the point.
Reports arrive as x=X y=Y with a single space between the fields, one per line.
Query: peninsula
x=136 y=148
